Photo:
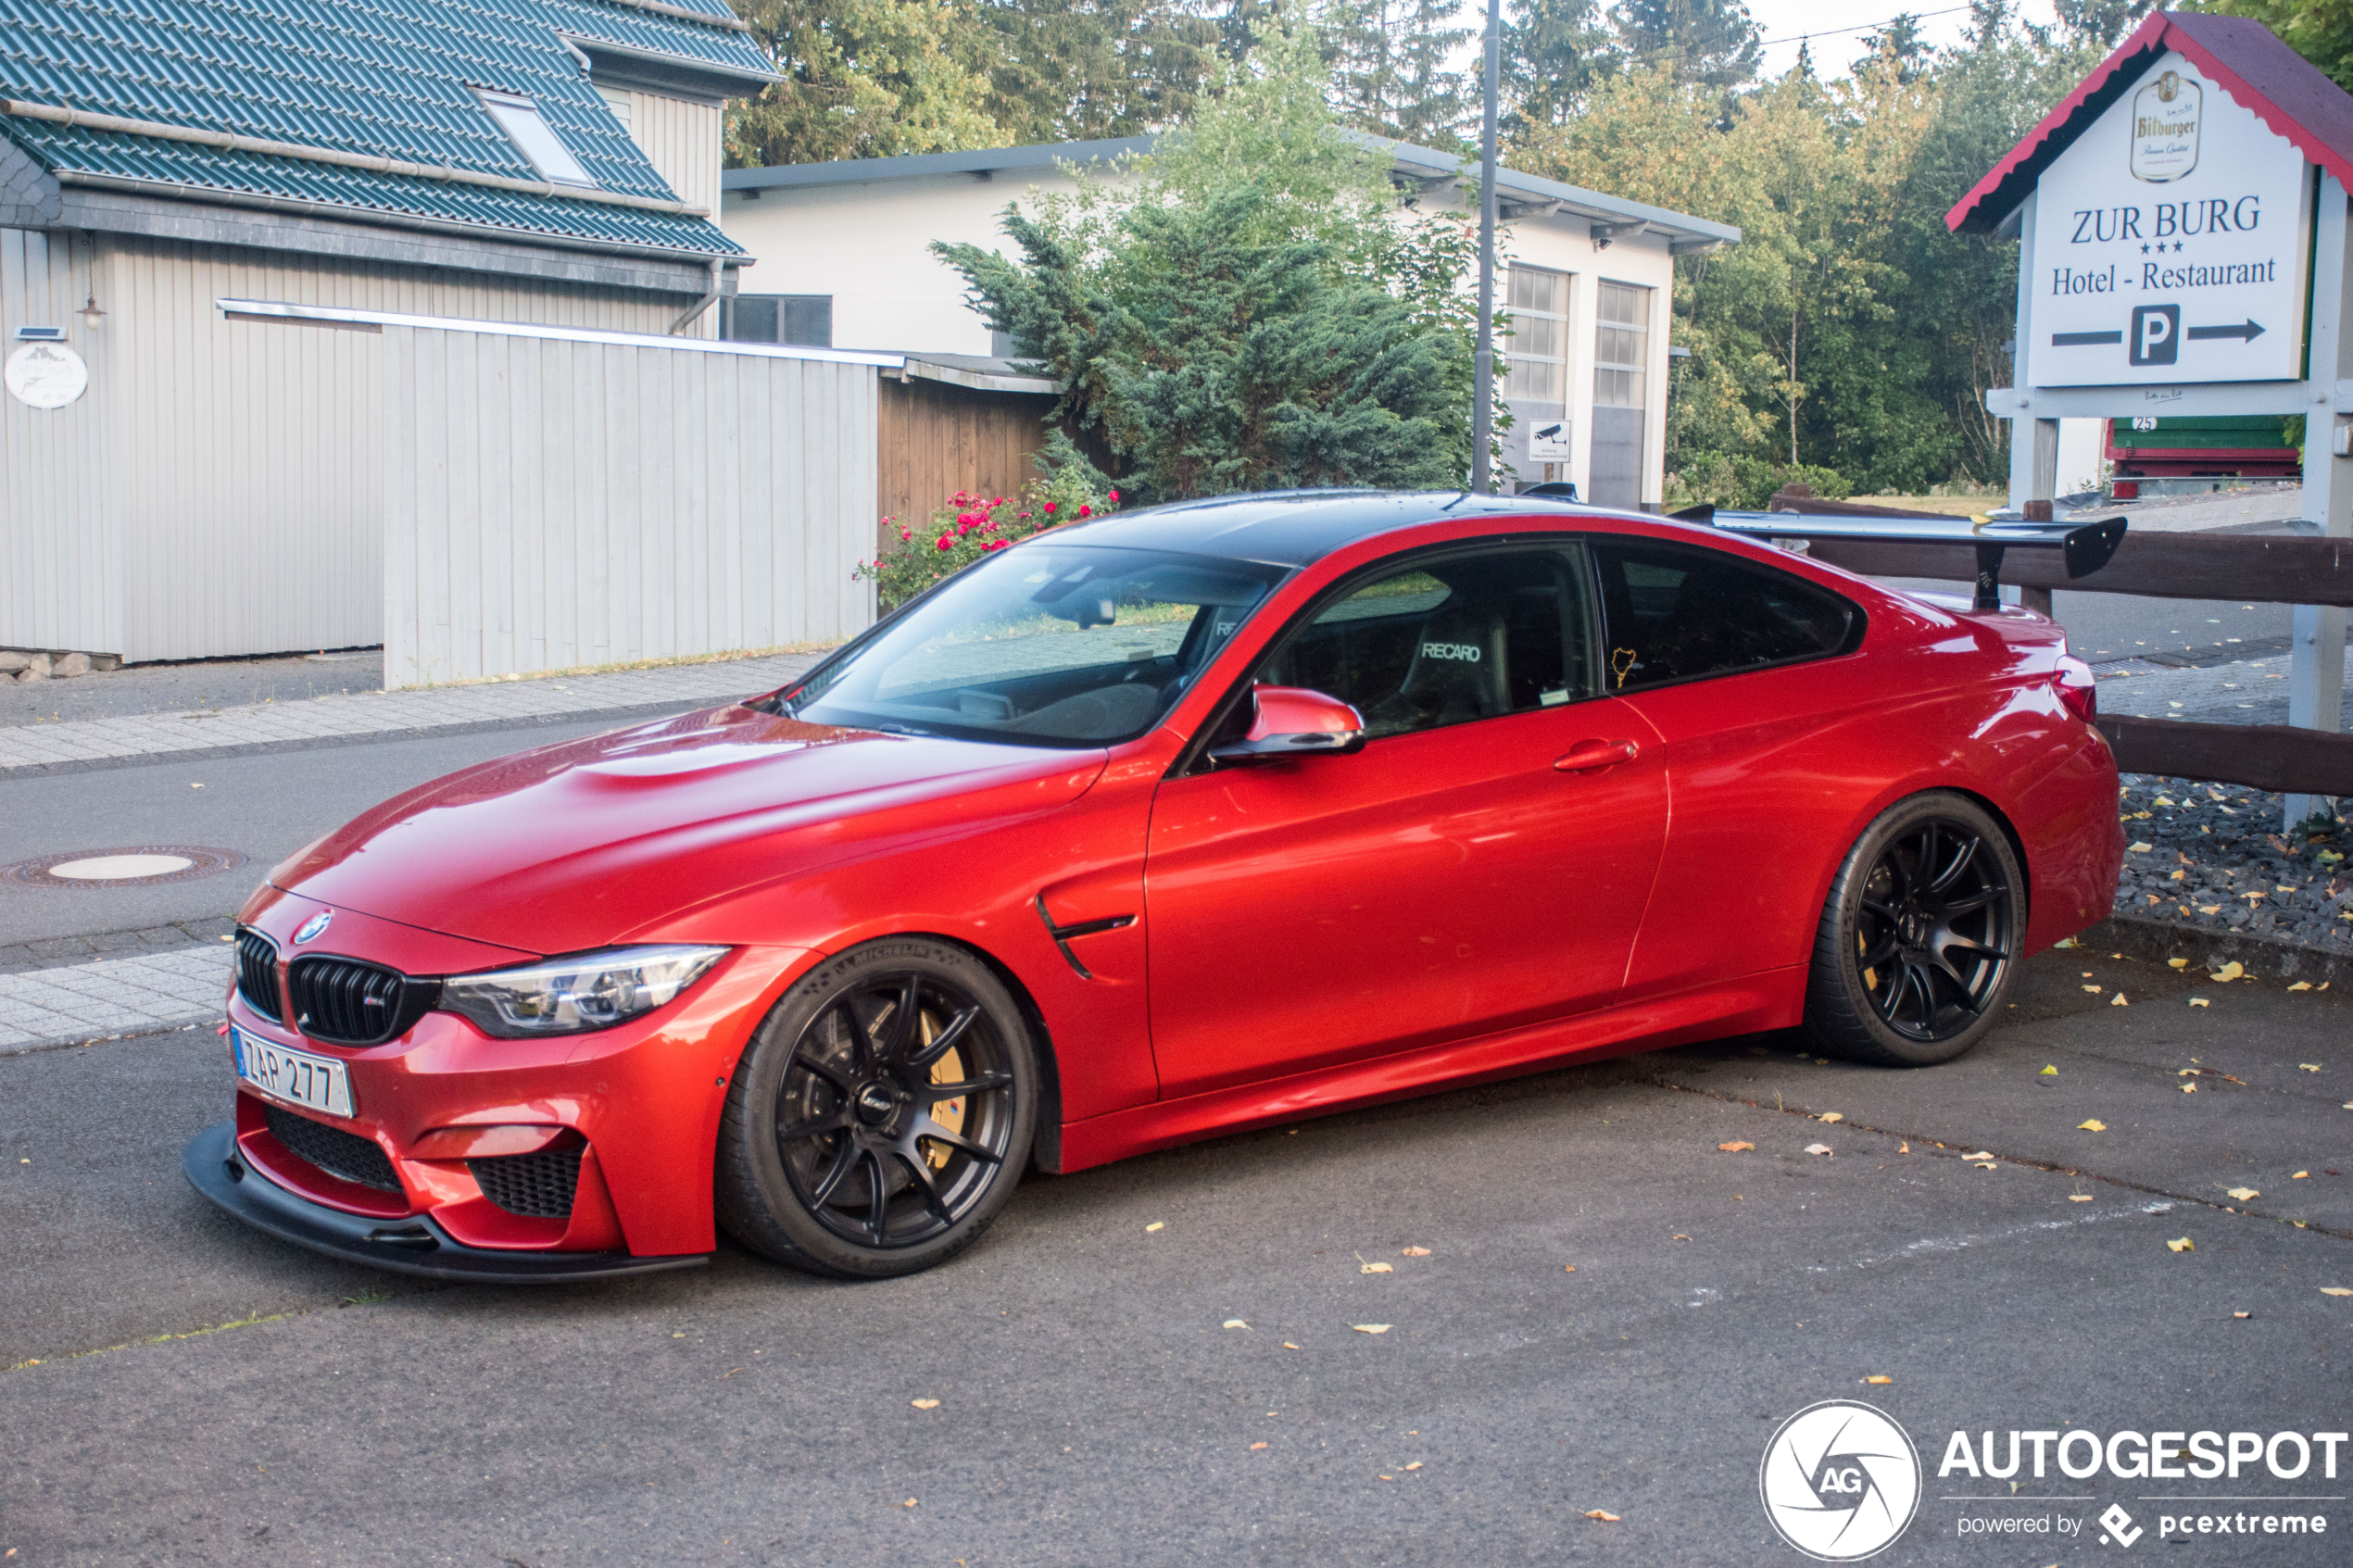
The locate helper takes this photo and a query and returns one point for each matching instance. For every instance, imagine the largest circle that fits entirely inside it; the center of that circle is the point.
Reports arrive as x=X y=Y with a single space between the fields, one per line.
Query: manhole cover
x=142 y=865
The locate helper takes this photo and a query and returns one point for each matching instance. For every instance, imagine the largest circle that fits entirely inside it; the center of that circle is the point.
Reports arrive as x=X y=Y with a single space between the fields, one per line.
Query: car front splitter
x=414 y=1245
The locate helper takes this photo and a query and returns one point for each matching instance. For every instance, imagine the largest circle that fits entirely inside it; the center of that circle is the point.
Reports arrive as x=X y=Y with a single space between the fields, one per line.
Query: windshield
x=1045 y=644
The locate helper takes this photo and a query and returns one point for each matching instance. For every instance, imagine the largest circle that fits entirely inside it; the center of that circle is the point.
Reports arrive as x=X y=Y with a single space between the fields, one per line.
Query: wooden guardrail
x=2170 y=566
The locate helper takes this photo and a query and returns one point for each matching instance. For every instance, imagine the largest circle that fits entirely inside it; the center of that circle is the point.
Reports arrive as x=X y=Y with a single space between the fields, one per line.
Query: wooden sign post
x=2182 y=220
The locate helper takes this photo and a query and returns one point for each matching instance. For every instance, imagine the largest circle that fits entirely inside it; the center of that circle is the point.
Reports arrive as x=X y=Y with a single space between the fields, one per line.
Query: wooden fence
x=2171 y=566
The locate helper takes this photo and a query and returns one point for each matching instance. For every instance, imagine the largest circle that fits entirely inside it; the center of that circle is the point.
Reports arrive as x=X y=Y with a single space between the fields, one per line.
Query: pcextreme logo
x=1840 y=1480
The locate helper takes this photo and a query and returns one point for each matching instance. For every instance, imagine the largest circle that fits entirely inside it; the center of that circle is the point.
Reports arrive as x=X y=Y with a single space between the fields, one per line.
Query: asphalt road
x=1093 y=1407
x=265 y=807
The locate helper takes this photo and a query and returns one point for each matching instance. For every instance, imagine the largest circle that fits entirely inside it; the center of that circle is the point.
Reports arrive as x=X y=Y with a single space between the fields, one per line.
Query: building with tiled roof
x=208 y=485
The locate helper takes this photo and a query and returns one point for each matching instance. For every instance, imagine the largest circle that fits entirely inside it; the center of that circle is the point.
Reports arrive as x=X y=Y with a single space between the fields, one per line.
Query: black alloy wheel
x=1918 y=936
x=882 y=1116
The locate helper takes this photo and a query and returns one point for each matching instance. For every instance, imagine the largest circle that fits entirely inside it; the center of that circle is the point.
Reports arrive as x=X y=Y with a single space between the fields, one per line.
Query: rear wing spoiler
x=2089 y=545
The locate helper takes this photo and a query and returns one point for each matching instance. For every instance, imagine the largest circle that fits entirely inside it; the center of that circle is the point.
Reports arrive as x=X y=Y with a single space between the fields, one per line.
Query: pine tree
x=1392 y=71
x=1066 y=72
x=1552 y=52
x=865 y=79
x=1713 y=42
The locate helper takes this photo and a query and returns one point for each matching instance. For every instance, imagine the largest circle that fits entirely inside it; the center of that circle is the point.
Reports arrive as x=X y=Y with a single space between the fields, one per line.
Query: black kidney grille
x=345 y=1002
x=338 y=1153
x=258 y=972
x=538 y=1186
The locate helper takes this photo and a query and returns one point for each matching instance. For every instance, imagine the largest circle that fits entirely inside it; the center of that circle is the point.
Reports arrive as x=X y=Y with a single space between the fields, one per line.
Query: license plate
x=297 y=1077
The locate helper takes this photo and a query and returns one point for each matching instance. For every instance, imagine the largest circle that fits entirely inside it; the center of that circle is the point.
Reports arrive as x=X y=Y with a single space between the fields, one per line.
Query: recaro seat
x=1458 y=670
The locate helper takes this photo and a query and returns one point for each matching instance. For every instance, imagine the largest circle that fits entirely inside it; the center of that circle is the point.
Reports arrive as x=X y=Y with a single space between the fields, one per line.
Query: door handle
x=1588 y=755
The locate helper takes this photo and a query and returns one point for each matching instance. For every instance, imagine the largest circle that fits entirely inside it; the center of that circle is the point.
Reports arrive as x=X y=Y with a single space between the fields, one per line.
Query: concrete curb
x=2270 y=957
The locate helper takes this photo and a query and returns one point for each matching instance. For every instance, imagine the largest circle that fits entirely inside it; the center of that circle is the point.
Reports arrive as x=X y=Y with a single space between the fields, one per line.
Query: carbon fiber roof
x=384 y=77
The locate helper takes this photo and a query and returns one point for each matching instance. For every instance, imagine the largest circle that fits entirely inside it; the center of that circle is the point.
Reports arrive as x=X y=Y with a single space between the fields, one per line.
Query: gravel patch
x=2213 y=856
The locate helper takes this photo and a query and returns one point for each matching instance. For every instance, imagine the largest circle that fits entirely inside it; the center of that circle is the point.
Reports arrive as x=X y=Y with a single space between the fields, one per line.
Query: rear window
x=1679 y=613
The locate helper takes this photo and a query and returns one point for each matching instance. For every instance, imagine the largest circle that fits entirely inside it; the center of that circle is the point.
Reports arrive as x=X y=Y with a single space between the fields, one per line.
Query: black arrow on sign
x=2077 y=340
x=2247 y=330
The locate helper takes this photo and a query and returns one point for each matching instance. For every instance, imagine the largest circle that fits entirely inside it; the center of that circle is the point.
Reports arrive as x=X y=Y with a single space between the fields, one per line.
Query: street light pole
x=1483 y=380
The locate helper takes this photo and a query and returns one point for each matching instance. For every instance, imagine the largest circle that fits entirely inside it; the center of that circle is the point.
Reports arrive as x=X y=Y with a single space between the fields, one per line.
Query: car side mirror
x=1294 y=721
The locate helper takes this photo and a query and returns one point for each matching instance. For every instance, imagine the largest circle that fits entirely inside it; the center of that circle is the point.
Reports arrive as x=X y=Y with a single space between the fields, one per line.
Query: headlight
x=570 y=996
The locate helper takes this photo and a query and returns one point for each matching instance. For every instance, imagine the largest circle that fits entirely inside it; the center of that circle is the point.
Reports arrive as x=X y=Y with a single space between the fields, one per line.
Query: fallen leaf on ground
x=2094 y=989
x=1570 y=1269
x=2119 y=1000
x=1415 y=1252
x=1818 y=1149
x=2229 y=971
x=2334 y=1290
x=1831 y=1116
x=2093 y=1125
x=2241 y=1315
x=1156 y=1225
x=1605 y=1517
x=1981 y=1154
x=2243 y=1194
x=2300 y=1176
x=1735 y=1147
x=2185 y=1245
x=1370 y=1327
x=1876 y=1378
x=909 y=1503
x=1288 y=1345
x=2177 y=964
x=1415 y=1465
x=2197 y=1001
x=925 y=1404
x=1987 y=1165
x=1256 y=1446
x=2309 y=1066
x=2301 y=986
x=2209 y=910
x=2048 y=1073
x=1678 y=1238
x=2079 y=1197
x=2145 y=847
x=1378 y=1268
x=2189 y=1089
x=1235 y=1323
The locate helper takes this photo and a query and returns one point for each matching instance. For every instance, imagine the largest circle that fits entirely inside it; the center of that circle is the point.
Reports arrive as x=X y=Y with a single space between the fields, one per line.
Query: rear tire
x=881 y=1117
x=1918 y=936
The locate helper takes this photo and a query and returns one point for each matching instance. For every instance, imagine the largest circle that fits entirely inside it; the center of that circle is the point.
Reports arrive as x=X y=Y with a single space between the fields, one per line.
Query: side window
x=1676 y=612
x=1448 y=640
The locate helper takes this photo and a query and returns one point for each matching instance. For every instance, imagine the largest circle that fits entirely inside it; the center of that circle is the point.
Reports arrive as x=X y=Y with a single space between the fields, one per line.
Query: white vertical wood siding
x=236 y=505
x=684 y=141
x=551 y=504
x=60 y=551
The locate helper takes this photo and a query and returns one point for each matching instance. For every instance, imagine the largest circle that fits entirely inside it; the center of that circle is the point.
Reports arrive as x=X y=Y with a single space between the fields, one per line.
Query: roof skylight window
x=519 y=117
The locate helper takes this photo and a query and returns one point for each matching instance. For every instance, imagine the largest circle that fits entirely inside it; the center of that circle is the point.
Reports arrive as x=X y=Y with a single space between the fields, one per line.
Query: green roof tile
x=384 y=77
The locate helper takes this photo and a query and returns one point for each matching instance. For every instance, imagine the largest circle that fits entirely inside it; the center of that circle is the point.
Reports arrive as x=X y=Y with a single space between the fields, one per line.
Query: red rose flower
x=1114 y=495
x=1086 y=510
x=1050 y=507
x=946 y=542
x=995 y=545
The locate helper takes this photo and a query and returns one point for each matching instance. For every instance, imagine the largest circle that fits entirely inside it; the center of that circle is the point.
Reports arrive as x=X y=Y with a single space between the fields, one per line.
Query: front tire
x=1918 y=936
x=881 y=1117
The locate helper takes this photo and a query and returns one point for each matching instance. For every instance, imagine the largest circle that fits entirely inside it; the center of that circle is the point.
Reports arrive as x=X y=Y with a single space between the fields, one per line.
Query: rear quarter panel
x=1774 y=774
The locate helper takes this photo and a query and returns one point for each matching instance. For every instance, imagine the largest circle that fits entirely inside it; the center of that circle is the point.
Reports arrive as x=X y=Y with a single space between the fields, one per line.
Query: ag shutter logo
x=1840 y=1481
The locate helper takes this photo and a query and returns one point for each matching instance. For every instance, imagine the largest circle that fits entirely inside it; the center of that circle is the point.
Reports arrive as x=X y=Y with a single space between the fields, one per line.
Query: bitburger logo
x=1840 y=1480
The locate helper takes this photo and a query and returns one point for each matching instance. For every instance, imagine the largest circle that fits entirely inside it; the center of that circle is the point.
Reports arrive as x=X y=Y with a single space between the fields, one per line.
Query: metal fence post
x=2316 y=669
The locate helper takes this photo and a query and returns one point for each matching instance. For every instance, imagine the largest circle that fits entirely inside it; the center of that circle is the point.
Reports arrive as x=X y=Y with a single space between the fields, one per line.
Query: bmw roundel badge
x=313 y=926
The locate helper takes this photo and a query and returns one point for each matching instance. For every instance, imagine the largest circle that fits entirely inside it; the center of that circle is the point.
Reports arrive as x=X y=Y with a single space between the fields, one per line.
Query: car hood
x=593 y=842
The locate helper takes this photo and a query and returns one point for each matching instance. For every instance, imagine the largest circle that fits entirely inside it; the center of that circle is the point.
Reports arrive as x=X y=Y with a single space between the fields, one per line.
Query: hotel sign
x=2171 y=241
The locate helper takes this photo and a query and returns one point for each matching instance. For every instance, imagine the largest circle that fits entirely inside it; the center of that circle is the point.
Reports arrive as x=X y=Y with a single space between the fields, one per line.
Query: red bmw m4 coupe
x=1170 y=824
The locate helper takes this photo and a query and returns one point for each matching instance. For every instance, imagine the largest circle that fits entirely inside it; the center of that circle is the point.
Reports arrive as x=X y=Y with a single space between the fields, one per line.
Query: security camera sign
x=2169 y=244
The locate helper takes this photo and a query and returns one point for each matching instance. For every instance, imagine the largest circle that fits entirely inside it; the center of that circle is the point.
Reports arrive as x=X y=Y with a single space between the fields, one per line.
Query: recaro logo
x=1840 y=1481
x=1466 y=652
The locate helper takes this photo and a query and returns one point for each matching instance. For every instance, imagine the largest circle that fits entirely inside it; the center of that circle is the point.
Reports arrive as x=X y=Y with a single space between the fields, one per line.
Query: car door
x=1771 y=735
x=1481 y=863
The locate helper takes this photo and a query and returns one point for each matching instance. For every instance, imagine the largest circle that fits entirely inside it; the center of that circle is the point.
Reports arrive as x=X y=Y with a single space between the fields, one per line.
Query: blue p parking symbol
x=2156 y=334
